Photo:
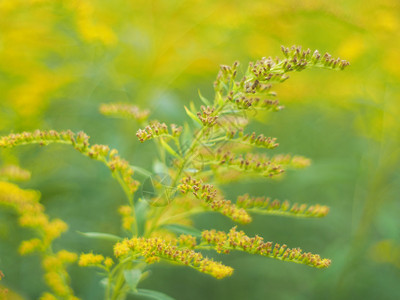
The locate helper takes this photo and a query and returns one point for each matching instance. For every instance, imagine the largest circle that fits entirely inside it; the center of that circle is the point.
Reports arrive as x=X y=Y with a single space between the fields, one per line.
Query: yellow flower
x=48 y=296
x=90 y=259
x=121 y=248
x=30 y=246
x=108 y=262
x=66 y=256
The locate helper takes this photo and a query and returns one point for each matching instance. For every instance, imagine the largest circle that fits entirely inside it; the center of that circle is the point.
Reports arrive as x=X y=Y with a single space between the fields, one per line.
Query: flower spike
x=237 y=240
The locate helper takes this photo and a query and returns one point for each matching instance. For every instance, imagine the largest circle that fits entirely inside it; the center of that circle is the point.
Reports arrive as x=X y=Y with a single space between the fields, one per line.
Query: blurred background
x=59 y=59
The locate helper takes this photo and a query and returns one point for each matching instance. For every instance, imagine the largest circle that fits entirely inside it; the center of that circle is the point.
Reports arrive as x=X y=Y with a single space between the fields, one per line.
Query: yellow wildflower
x=30 y=246
x=108 y=262
x=90 y=259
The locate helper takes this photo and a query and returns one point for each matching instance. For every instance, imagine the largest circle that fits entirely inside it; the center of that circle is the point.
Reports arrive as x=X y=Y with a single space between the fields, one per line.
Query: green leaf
x=169 y=149
x=132 y=278
x=182 y=229
x=193 y=116
x=153 y=294
x=203 y=99
x=140 y=170
x=101 y=236
x=145 y=274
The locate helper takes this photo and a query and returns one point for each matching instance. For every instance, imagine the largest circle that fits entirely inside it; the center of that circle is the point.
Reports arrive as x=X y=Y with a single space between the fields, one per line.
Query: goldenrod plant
x=31 y=215
x=195 y=160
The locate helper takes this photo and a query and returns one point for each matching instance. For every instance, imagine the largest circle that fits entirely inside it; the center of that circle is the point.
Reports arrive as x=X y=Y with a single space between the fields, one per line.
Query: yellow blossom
x=66 y=256
x=57 y=283
x=30 y=246
x=90 y=259
x=155 y=249
x=108 y=262
x=121 y=248
x=48 y=296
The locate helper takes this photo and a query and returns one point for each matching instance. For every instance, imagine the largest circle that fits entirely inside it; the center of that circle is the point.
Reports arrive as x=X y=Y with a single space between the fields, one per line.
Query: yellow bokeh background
x=58 y=54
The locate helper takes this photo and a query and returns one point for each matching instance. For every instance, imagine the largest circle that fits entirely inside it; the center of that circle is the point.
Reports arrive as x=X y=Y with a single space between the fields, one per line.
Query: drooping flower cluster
x=208 y=193
x=80 y=141
x=264 y=205
x=124 y=110
x=154 y=249
x=238 y=240
x=121 y=168
x=31 y=215
x=56 y=275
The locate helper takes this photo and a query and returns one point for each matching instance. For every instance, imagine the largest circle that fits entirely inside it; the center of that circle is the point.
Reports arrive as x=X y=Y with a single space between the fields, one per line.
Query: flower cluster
x=296 y=59
x=258 y=140
x=207 y=116
x=238 y=240
x=127 y=216
x=56 y=276
x=124 y=110
x=258 y=164
x=157 y=129
x=208 y=193
x=121 y=169
x=31 y=215
x=245 y=102
x=264 y=205
x=95 y=260
x=154 y=249
x=80 y=141
x=226 y=75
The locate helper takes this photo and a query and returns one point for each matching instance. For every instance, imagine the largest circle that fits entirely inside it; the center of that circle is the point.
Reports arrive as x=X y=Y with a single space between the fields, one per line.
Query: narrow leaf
x=101 y=236
x=203 y=99
x=132 y=278
x=168 y=148
x=140 y=170
x=153 y=294
x=193 y=116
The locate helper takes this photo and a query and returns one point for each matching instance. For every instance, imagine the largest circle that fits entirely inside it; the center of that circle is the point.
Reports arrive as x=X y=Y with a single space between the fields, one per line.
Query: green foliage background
x=60 y=59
